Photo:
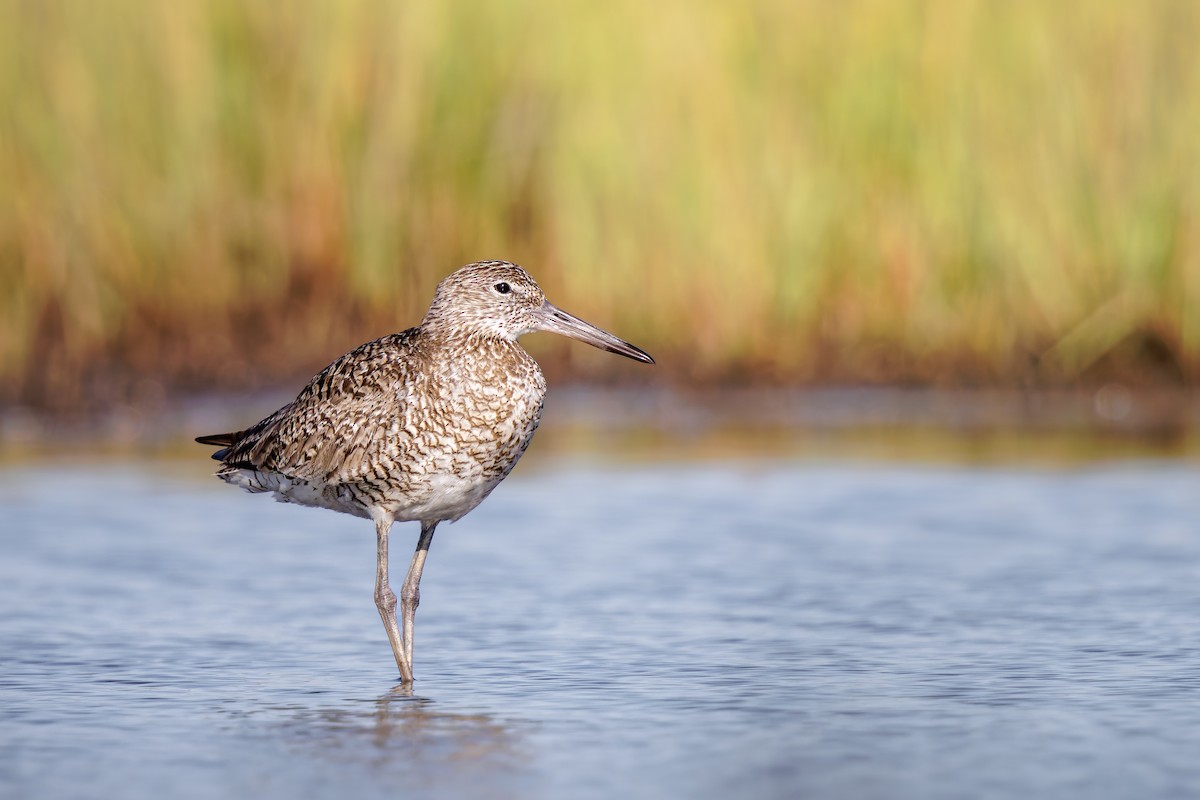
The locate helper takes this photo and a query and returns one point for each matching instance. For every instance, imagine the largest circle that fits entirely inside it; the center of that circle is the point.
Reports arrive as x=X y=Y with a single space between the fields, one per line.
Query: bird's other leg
x=385 y=599
x=410 y=592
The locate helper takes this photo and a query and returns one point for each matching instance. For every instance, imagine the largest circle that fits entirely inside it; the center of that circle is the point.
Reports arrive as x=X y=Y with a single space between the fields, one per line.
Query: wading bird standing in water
x=416 y=426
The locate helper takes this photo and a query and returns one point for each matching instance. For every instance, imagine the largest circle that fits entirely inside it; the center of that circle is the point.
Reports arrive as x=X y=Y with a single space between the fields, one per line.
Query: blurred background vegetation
x=220 y=194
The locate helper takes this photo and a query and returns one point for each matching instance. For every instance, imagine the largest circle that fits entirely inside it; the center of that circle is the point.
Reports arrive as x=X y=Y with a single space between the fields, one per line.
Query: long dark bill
x=555 y=320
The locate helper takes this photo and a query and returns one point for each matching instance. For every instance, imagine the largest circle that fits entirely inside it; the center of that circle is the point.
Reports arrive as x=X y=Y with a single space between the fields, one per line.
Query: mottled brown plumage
x=420 y=425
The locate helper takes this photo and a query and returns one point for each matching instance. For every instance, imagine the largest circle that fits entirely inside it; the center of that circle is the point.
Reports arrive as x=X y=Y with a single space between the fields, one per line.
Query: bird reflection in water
x=406 y=735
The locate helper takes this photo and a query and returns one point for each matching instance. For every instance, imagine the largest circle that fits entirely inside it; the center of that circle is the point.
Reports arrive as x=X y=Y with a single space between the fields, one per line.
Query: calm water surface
x=746 y=629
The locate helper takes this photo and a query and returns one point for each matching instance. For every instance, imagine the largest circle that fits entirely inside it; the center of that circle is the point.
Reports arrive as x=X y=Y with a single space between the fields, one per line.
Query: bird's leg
x=385 y=601
x=410 y=592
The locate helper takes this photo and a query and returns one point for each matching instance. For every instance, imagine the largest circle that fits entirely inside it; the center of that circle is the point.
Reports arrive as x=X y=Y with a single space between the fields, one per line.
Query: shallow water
x=748 y=629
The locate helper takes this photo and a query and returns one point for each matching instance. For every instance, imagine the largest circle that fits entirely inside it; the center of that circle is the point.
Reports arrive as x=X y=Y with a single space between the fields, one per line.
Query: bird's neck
x=478 y=346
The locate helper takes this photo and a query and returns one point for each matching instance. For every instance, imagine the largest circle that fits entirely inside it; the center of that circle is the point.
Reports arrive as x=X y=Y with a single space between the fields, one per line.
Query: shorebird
x=417 y=426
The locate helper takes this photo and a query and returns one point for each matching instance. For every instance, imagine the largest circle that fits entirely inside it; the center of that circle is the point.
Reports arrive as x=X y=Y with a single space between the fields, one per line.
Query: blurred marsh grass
x=956 y=191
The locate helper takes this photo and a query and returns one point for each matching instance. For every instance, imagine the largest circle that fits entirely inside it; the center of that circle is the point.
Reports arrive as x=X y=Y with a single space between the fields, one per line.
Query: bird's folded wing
x=345 y=422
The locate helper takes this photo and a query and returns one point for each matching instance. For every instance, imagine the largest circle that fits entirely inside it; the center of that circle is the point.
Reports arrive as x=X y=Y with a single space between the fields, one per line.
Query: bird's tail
x=222 y=440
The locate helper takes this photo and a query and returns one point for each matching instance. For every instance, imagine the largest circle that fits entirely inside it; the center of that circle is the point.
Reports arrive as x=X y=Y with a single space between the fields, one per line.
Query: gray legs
x=385 y=600
x=410 y=595
x=410 y=592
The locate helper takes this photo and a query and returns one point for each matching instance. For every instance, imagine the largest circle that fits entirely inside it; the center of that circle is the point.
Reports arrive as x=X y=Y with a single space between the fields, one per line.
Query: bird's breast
x=465 y=432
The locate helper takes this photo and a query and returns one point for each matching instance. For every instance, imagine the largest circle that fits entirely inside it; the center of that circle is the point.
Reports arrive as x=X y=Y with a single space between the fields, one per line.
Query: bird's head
x=499 y=299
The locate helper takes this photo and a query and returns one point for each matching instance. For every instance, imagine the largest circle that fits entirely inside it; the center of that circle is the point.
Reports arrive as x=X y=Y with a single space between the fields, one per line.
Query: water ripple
x=758 y=630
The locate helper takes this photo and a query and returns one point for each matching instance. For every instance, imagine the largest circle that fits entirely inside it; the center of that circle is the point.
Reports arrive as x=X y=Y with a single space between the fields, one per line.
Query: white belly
x=445 y=496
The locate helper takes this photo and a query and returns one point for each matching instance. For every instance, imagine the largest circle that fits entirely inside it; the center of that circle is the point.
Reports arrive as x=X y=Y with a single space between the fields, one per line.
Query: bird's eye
x=502 y=287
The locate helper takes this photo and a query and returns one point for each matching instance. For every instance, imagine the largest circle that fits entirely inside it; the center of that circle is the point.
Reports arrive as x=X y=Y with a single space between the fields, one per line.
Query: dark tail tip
x=219 y=439
x=222 y=440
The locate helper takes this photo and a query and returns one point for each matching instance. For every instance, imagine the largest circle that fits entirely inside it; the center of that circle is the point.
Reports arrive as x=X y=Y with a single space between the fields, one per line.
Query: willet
x=415 y=426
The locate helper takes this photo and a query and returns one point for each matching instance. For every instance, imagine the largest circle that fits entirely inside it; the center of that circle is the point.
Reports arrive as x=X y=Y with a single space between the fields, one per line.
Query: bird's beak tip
x=555 y=320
